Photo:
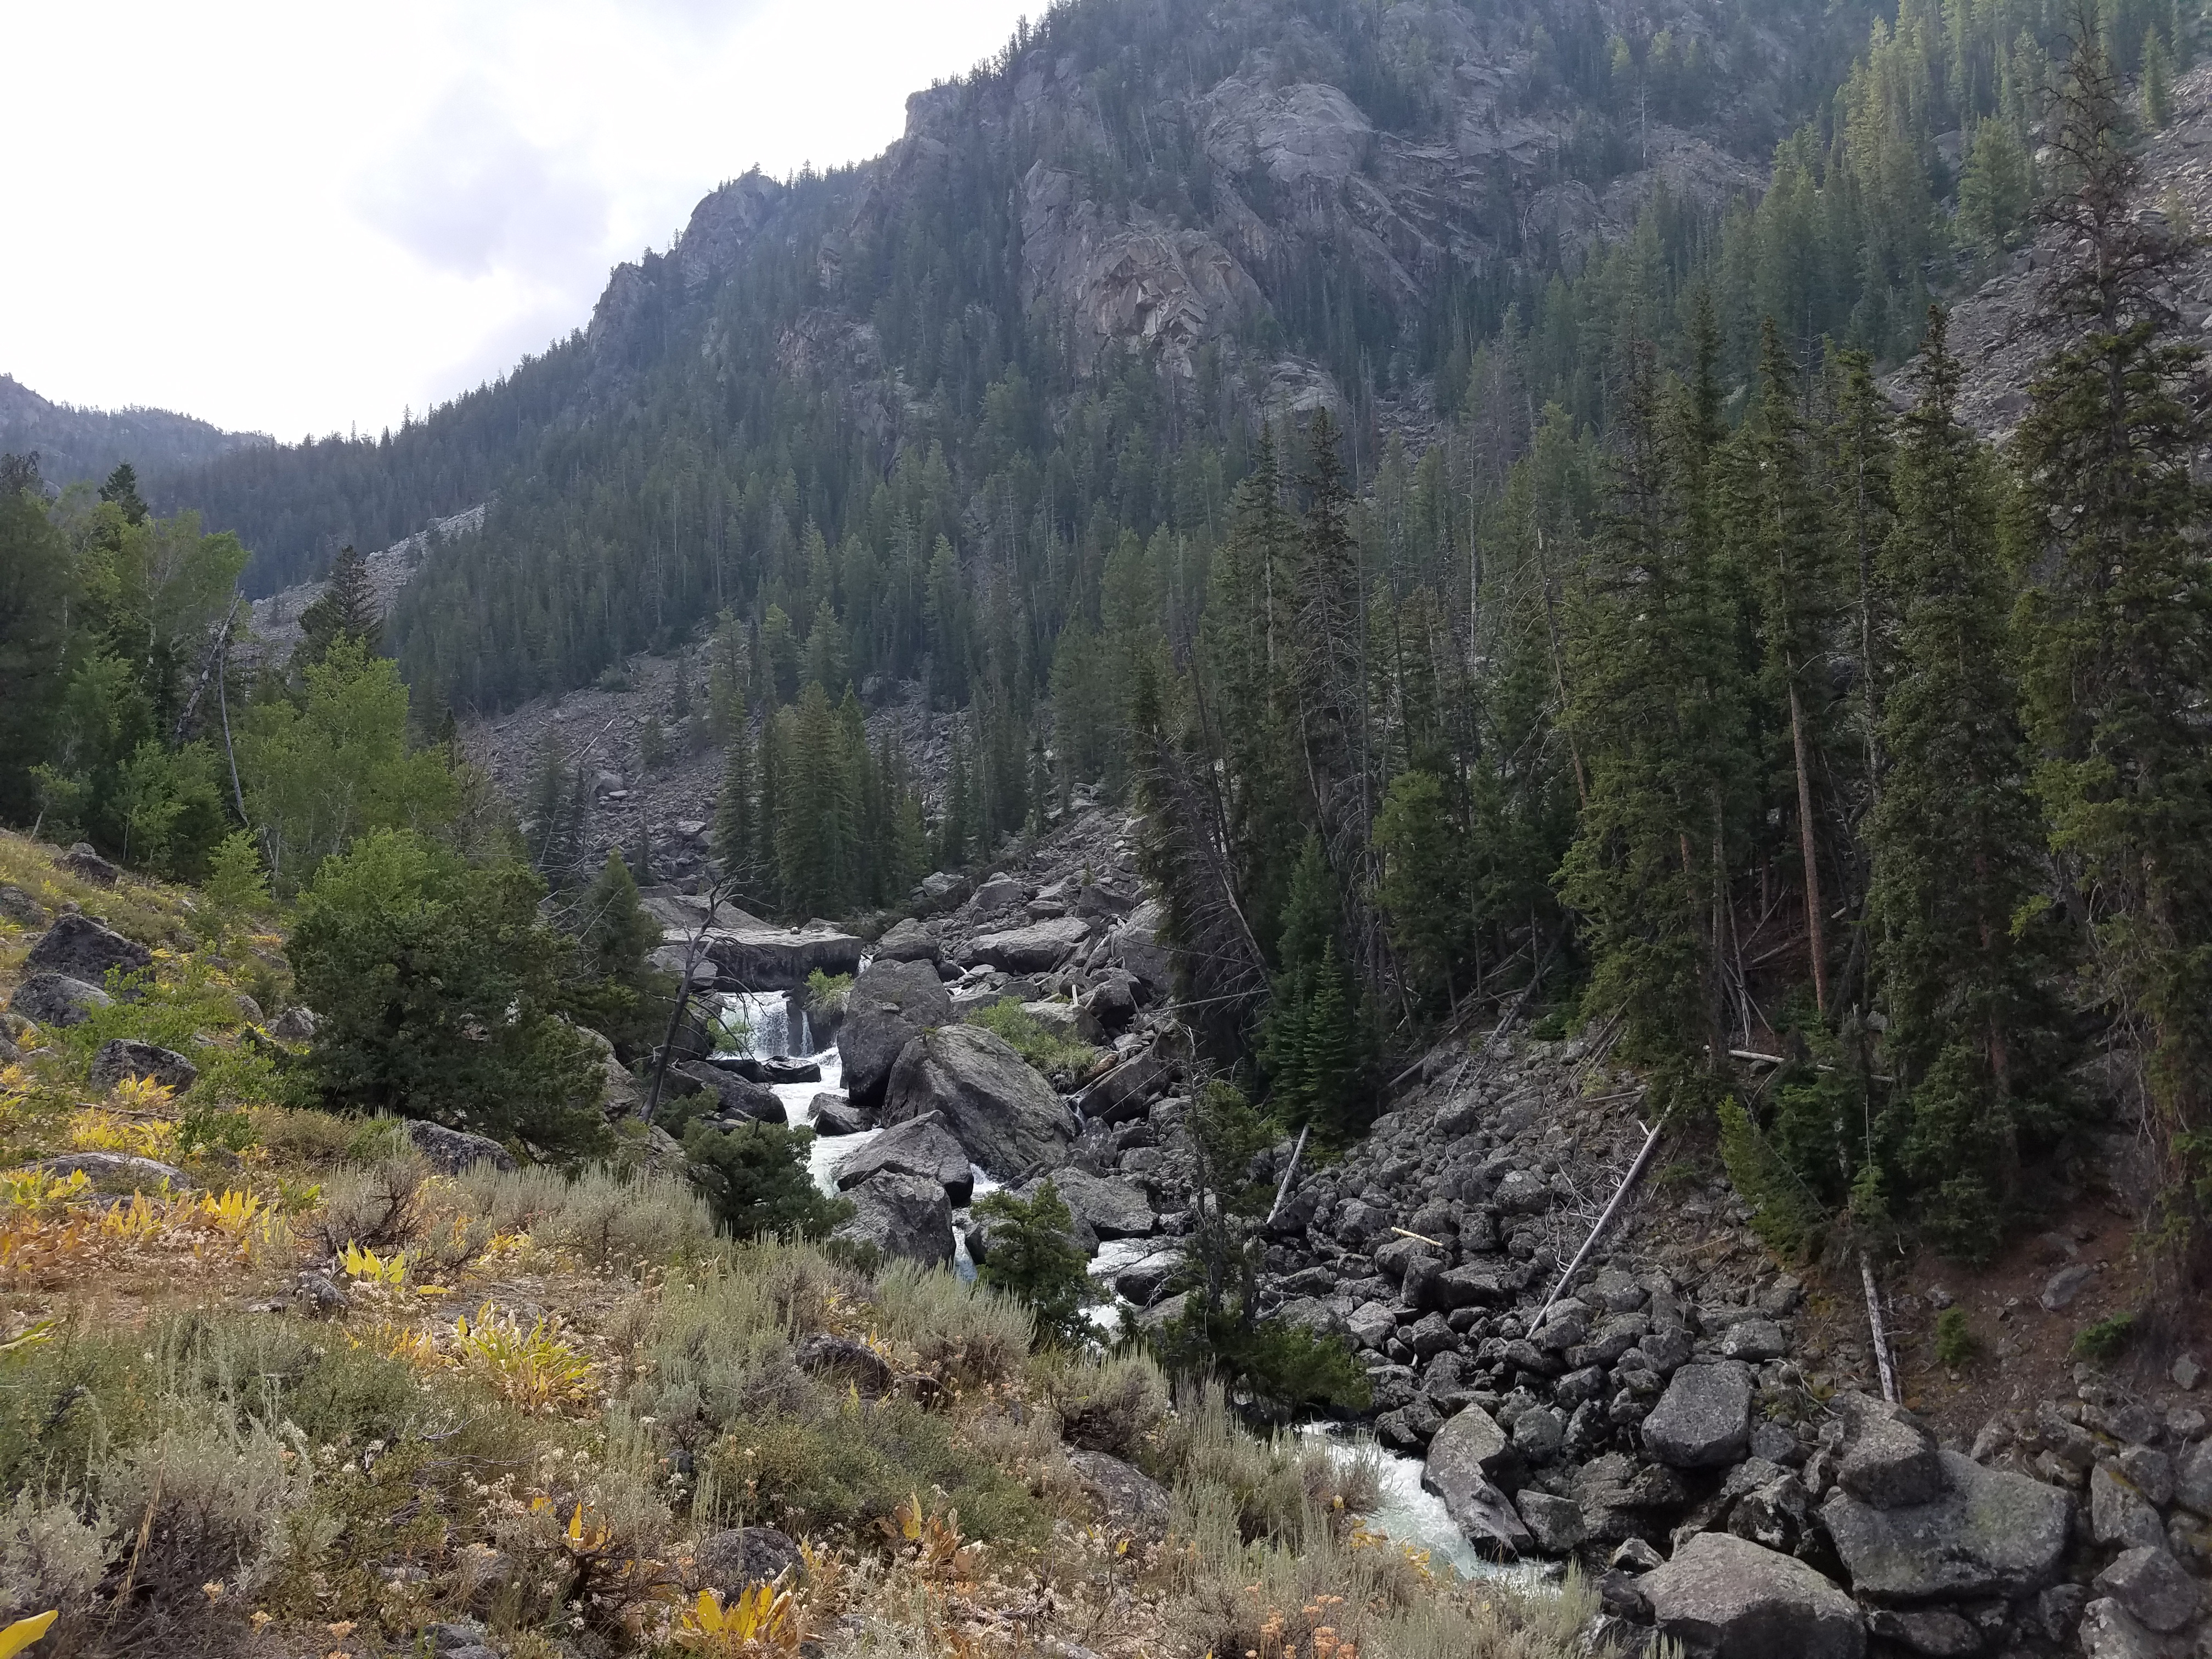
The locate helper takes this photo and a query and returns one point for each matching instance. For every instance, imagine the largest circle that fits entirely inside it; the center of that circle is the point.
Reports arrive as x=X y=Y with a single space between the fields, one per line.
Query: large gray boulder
x=910 y=941
x=1992 y=1533
x=1724 y=1597
x=450 y=1152
x=2153 y=1586
x=1889 y=1456
x=80 y=947
x=1109 y=1207
x=116 y=1171
x=735 y=1096
x=1127 y=1093
x=739 y=1557
x=1703 y=1419
x=126 y=1057
x=57 y=1000
x=1139 y=946
x=1129 y=1500
x=834 y=1114
x=889 y=1006
x=902 y=1216
x=1465 y=1454
x=921 y=1147
x=1033 y=949
x=1007 y=1117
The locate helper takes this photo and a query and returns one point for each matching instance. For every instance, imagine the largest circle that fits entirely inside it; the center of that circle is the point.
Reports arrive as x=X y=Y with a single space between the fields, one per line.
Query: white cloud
x=302 y=219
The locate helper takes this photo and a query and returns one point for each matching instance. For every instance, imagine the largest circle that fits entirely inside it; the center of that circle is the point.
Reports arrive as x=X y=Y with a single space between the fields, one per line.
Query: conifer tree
x=2117 y=637
x=2157 y=82
x=121 y=490
x=1313 y=1041
x=345 y=610
x=1953 y=838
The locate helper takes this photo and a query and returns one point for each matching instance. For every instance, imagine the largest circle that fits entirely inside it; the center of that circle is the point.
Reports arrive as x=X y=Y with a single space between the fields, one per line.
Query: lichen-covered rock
x=1889 y=1458
x=992 y=1099
x=2153 y=1586
x=904 y=1216
x=1129 y=1500
x=450 y=1152
x=888 y=1007
x=737 y=1557
x=80 y=947
x=1992 y=1533
x=921 y=1147
x=116 y=1171
x=1723 y=1597
x=1703 y=1419
x=57 y=1000
x=126 y=1057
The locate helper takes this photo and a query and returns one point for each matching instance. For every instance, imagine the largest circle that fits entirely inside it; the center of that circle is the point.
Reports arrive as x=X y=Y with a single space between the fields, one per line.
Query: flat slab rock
x=1724 y=1597
x=1466 y=1452
x=1990 y=1533
x=1703 y=1419
x=921 y=1147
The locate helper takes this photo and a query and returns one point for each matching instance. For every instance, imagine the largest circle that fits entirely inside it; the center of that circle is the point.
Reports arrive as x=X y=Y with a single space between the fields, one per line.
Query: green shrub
x=755 y=1178
x=1034 y=1260
x=51 y=1558
x=1784 y=1214
x=608 y=1217
x=1020 y=1030
x=1954 y=1339
x=965 y=1333
x=1110 y=1405
x=827 y=992
x=2106 y=1339
x=1269 y=1482
x=177 y=1005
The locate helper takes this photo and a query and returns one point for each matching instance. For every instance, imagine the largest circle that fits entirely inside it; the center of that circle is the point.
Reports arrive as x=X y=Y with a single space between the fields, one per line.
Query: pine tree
x=2157 y=82
x=122 y=489
x=737 y=837
x=347 y=609
x=1953 y=838
x=2117 y=636
x=1313 y=1039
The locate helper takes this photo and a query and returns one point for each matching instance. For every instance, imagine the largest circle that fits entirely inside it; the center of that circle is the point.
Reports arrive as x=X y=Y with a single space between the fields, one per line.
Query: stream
x=1405 y=1513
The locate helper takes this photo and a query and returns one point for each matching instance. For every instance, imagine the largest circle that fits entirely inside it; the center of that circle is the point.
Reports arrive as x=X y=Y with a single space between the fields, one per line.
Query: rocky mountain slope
x=73 y=443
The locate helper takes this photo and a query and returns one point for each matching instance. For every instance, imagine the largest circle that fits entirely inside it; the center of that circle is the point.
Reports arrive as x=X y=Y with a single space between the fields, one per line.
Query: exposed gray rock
x=735 y=1096
x=57 y=1000
x=1937 y=1634
x=1728 y=1598
x=737 y=1557
x=1992 y=1533
x=1556 y=1523
x=1127 y=1093
x=81 y=861
x=1109 y=1208
x=1129 y=1500
x=1033 y=949
x=834 y=1114
x=921 y=1147
x=904 y=1216
x=116 y=1171
x=2153 y=1586
x=80 y=947
x=2193 y=1490
x=450 y=1152
x=126 y=1057
x=825 y=1353
x=2109 y=1631
x=2064 y=1285
x=1140 y=947
x=1142 y=1280
x=295 y=1024
x=2118 y=1512
x=1371 y=1324
x=1889 y=1459
x=1462 y=1457
x=889 y=1006
x=1754 y=1340
x=1007 y=1117
x=1703 y=1419
x=910 y=941
x=18 y=906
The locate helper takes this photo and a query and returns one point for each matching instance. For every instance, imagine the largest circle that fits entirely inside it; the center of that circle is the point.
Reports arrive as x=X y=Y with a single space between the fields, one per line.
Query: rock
x=1139 y=948
x=83 y=950
x=1462 y=1458
x=921 y=1146
x=1142 y=1280
x=116 y=1171
x=1556 y=1523
x=785 y=1068
x=126 y=1057
x=1127 y=1093
x=1754 y=1340
x=57 y=1000
x=1110 y=1208
x=750 y=954
x=1007 y=1117
x=736 y=1096
x=1992 y=1533
x=2118 y=1512
x=1727 y=1598
x=1371 y=1324
x=739 y=1557
x=1034 y=948
x=910 y=941
x=2064 y=1285
x=1538 y=1434
x=834 y=1114
x=2108 y=1630
x=889 y=1006
x=1703 y=1419
x=451 y=1151
x=904 y=1216
x=2193 y=1490
x=315 y=1295
x=998 y=891
x=295 y=1024
x=83 y=862
x=1889 y=1460
x=1522 y=1194
x=1129 y=1500
x=1939 y=1635
x=18 y=906
x=2186 y=1373
x=2153 y=1586
x=825 y=1354
x=1110 y=1003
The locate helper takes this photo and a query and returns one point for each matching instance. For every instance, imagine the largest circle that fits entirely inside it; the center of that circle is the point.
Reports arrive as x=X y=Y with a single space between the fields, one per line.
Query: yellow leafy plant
x=760 y=1620
x=142 y=1094
x=533 y=1370
x=931 y=1542
x=372 y=1268
x=34 y=1190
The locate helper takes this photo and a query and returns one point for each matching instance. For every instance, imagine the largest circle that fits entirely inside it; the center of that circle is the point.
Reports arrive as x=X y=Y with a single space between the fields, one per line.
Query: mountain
x=73 y=443
x=1055 y=312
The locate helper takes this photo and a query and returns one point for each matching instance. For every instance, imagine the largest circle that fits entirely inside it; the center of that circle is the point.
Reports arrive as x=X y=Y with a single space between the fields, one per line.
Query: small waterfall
x=806 y=1045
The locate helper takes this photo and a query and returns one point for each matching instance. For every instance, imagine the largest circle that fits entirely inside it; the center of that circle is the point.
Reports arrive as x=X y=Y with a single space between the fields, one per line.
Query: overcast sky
x=297 y=218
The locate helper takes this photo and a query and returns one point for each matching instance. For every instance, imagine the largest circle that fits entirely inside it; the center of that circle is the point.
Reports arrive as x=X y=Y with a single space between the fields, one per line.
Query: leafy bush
x=50 y=1557
x=755 y=1178
x=1955 y=1341
x=1784 y=1214
x=1269 y=1482
x=607 y=1218
x=826 y=992
x=962 y=1332
x=1110 y=1405
x=2106 y=1339
x=1034 y=1260
x=1020 y=1030
x=437 y=986
x=1287 y=1370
